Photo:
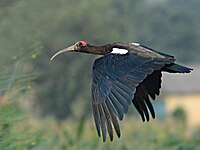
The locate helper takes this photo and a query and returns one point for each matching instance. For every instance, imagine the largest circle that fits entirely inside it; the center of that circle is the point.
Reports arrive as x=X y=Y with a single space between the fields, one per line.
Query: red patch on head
x=83 y=43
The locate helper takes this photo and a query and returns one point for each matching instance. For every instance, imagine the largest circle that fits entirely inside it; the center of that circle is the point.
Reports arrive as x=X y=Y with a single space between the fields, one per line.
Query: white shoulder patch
x=119 y=51
x=137 y=44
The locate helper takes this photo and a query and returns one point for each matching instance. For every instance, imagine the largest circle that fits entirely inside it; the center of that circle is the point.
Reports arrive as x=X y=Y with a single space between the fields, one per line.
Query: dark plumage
x=127 y=73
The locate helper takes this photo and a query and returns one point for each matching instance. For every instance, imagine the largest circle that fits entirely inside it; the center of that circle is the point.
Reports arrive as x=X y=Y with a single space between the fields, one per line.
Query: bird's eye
x=80 y=44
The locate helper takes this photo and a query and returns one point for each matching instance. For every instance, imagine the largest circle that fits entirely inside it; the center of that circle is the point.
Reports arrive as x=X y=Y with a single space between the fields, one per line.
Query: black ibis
x=127 y=73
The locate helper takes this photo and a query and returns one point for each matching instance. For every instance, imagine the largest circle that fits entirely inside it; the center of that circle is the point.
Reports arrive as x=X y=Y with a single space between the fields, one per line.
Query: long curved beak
x=71 y=48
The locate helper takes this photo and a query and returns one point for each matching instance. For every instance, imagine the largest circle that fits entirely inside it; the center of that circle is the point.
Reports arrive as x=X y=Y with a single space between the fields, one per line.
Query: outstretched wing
x=115 y=79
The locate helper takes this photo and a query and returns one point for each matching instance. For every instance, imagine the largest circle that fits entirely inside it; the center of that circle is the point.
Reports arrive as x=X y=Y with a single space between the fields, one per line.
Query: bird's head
x=79 y=46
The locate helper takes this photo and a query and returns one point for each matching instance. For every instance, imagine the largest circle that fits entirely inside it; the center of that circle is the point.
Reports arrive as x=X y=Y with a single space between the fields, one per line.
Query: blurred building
x=183 y=91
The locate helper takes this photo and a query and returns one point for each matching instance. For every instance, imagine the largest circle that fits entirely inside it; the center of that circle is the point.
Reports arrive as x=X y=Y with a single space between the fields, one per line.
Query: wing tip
x=119 y=135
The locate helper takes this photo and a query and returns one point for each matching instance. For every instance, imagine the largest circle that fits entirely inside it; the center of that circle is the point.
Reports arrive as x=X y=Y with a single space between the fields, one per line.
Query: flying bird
x=126 y=73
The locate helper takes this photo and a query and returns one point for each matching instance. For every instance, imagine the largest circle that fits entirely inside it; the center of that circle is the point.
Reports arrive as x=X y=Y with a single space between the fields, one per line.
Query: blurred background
x=47 y=104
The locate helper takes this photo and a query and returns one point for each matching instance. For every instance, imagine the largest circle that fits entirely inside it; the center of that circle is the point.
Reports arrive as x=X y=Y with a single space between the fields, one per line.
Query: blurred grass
x=19 y=131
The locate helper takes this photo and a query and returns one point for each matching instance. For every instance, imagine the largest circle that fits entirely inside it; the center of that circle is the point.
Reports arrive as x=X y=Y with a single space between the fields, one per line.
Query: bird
x=124 y=74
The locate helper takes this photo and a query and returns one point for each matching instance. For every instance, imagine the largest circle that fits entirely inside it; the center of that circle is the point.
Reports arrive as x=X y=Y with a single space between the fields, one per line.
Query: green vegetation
x=36 y=94
x=20 y=132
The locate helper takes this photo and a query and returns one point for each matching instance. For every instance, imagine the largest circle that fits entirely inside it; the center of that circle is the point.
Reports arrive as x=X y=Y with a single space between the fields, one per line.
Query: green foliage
x=15 y=77
x=50 y=134
x=14 y=134
x=15 y=83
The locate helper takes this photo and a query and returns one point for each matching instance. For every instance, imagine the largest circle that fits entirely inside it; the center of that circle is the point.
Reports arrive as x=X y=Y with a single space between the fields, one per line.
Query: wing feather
x=117 y=81
x=108 y=121
x=102 y=121
x=121 y=100
x=145 y=90
x=114 y=119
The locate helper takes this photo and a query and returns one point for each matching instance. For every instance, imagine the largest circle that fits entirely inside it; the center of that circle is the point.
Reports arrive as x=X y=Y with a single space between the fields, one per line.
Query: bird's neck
x=97 y=50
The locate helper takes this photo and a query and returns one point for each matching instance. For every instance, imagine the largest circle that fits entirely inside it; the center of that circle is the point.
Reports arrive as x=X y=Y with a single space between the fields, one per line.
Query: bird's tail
x=175 y=68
